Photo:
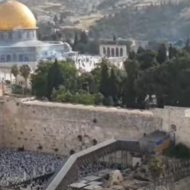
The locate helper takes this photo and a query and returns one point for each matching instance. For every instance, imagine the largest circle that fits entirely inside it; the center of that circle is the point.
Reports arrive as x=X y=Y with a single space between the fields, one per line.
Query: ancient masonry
x=60 y=128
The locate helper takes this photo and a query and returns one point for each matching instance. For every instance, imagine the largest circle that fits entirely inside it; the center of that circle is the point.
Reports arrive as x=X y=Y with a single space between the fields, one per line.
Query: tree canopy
x=163 y=74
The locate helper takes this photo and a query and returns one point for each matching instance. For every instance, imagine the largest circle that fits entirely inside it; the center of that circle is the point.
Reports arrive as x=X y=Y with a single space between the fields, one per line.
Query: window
x=104 y=50
x=112 y=52
x=10 y=35
x=1 y=35
x=121 y=52
x=117 y=52
x=26 y=58
x=2 y=58
x=19 y=35
x=108 y=52
x=31 y=34
x=8 y=58
x=27 y=33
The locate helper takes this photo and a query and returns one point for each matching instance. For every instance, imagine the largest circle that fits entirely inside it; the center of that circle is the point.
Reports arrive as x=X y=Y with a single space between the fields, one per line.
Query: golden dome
x=16 y=15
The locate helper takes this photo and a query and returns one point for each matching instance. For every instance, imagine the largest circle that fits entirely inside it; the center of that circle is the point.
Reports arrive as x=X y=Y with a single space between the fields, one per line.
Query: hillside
x=166 y=21
x=140 y=19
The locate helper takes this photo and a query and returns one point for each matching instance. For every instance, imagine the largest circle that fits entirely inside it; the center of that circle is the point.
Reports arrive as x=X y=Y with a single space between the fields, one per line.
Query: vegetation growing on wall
x=180 y=151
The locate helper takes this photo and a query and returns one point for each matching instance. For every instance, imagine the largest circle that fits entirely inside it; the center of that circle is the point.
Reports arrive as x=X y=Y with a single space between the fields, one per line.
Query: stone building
x=18 y=40
x=112 y=50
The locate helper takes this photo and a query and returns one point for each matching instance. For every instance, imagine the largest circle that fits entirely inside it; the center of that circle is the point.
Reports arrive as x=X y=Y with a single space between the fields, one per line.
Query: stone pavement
x=183 y=184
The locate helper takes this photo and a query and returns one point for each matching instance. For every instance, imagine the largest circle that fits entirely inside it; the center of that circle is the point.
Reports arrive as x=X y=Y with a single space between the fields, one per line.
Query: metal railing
x=69 y=172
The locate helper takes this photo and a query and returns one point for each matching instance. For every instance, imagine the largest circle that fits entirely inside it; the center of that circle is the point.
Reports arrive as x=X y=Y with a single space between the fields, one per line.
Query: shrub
x=180 y=151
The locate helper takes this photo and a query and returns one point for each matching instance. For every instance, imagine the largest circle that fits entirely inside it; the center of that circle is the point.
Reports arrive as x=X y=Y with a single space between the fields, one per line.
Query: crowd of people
x=88 y=63
x=17 y=166
x=93 y=168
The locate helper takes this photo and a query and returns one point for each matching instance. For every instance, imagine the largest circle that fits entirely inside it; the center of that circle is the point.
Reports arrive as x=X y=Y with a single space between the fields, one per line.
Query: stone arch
x=121 y=52
x=117 y=52
x=112 y=52
x=104 y=50
x=108 y=51
x=8 y=58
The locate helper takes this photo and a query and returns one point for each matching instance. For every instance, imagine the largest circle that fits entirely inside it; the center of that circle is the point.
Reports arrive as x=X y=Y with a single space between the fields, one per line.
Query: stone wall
x=178 y=117
x=1 y=124
x=55 y=127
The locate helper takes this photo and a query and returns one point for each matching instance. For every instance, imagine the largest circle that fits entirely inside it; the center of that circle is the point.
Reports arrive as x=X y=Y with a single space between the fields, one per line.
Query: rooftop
x=29 y=43
x=155 y=136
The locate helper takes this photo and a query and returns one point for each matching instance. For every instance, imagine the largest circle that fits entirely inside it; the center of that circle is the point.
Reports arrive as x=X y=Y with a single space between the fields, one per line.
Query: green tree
x=104 y=87
x=171 y=52
x=62 y=95
x=156 y=167
x=39 y=79
x=69 y=75
x=54 y=78
x=15 y=72
x=114 y=84
x=76 y=41
x=132 y=55
x=98 y=98
x=140 y=50
x=147 y=59
x=25 y=72
x=114 y=38
x=49 y=76
x=187 y=46
x=84 y=37
x=129 y=96
x=96 y=75
x=55 y=19
x=162 y=54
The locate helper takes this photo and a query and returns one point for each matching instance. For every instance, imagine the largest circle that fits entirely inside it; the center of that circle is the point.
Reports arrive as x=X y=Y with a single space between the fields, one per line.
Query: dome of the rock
x=14 y=15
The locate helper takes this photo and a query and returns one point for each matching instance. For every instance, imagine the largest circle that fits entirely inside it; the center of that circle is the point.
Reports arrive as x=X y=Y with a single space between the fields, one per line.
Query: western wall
x=60 y=128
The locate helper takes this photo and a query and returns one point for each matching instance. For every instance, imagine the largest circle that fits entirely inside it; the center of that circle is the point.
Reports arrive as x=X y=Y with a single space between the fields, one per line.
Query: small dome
x=14 y=15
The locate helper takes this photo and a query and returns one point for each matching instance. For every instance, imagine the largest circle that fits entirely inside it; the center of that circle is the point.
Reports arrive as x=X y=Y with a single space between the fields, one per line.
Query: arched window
x=5 y=35
x=108 y=52
x=21 y=57
x=8 y=58
x=112 y=52
x=31 y=34
x=26 y=58
x=27 y=34
x=2 y=58
x=117 y=52
x=10 y=35
x=104 y=50
x=121 y=52
x=20 y=35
